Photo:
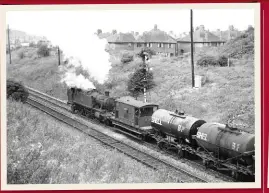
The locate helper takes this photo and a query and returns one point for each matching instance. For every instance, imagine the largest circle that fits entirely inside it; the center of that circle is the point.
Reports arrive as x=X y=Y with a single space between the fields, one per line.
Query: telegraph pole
x=192 y=62
x=59 y=56
x=8 y=31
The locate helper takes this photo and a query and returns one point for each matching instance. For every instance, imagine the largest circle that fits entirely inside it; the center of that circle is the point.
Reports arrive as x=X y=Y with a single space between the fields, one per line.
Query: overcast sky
x=48 y=22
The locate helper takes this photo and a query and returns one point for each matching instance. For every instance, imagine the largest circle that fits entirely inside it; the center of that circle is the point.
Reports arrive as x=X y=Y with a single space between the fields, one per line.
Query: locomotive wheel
x=73 y=109
x=206 y=163
x=181 y=153
x=161 y=145
x=143 y=137
x=107 y=122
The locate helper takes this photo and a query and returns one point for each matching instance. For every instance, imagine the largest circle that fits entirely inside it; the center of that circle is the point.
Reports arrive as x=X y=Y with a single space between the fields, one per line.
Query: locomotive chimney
x=107 y=93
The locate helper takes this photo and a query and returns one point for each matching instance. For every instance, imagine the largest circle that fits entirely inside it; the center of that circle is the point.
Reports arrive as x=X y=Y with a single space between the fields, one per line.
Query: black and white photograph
x=138 y=96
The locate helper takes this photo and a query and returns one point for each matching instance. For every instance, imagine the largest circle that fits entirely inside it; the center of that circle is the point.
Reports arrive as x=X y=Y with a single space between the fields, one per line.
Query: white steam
x=78 y=81
x=81 y=49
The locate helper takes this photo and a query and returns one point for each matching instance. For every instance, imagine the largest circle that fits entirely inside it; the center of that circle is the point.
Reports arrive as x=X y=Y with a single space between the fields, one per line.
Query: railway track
x=62 y=105
x=147 y=159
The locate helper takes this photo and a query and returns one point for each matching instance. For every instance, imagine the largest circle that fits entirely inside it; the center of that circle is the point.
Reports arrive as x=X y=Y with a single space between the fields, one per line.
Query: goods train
x=217 y=145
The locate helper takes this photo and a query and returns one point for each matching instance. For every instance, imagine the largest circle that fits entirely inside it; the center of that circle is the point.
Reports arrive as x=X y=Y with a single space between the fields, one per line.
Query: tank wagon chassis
x=218 y=146
x=209 y=159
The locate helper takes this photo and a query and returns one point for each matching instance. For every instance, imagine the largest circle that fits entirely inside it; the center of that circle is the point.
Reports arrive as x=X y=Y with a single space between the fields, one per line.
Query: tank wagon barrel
x=227 y=142
x=181 y=127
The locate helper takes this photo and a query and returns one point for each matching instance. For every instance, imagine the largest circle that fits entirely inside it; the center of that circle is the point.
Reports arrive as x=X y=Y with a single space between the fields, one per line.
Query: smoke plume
x=83 y=50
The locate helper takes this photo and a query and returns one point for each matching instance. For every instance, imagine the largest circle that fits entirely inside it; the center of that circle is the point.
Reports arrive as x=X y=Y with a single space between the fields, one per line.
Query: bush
x=127 y=57
x=148 y=50
x=32 y=45
x=223 y=60
x=43 y=51
x=207 y=61
x=137 y=82
x=21 y=55
x=16 y=91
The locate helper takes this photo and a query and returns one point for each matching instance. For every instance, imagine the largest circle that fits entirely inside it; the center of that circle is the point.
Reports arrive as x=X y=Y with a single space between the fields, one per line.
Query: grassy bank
x=40 y=73
x=41 y=150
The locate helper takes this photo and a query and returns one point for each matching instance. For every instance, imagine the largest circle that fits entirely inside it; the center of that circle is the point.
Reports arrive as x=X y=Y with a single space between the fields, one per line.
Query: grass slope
x=227 y=95
x=43 y=151
x=39 y=73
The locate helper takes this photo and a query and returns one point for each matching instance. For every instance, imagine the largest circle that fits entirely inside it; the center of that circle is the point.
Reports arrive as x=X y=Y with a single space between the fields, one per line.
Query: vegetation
x=138 y=80
x=21 y=55
x=147 y=50
x=43 y=51
x=39 y=73
x=127 y=57
x=213 y=61
x=41 y=150
x=16 y=91
x=241 y=46
x=207 y=61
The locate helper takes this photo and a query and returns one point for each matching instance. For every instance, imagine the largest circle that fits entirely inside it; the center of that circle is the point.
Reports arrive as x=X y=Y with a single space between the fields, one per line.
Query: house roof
x=201 y=35
x=121 y=38
x=156 y=36
x=104 y=35
x=227 y=35
x=133 y=102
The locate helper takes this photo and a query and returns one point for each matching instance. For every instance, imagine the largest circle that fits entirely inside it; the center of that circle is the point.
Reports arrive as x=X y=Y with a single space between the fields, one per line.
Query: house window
x=170 y=45
x=129 y=44
x=139 y=45
x=126 y=113
x=160 y=45
x=149 y=45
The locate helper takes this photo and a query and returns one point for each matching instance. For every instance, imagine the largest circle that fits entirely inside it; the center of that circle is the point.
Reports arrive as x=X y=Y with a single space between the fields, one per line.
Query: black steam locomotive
x=219 y=146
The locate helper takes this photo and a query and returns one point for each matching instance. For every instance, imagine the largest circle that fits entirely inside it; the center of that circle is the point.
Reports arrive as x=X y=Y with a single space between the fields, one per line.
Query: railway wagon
x=134 y=116
x=231 y=147
x=179 y=126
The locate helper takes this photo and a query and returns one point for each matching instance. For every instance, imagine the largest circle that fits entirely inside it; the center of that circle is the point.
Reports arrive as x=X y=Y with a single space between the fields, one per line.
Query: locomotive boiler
x=91 y=104
x=90 y=99
x=179 y=126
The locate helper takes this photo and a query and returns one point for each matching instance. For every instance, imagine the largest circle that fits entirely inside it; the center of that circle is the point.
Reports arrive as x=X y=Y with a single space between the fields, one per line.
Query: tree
x=99 y=31
x=43 y=50
x=114 y=31
x=138 y=80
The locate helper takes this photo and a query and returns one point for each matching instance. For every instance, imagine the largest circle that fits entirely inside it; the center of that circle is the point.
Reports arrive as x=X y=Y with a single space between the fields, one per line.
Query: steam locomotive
x=218 y=145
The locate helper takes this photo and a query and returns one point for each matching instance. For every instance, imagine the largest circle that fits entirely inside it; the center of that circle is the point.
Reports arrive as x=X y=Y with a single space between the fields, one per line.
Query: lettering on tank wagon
x=202 y=136
x=180 y=128
x=156 y=120
x=235 y=146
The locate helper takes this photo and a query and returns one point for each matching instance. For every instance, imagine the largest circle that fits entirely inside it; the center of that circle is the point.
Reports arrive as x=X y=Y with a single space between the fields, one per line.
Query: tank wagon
x=227 y=148
x=217 y=145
